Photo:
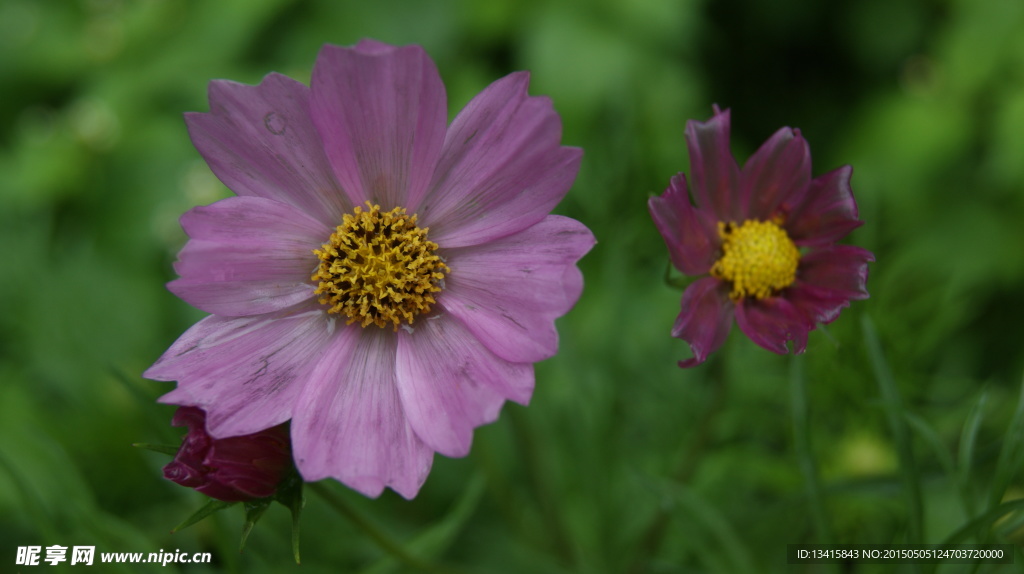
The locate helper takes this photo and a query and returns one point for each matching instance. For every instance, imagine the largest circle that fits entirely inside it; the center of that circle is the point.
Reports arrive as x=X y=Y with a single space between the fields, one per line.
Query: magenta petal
x=350 y=424
x=260 y=141
x=247 y=256
x=247 y=372
x=509 y=292
x=450 y=383
x=714 y=171
x=381 y=112
x=818 y=305
x=771 y=322
x=705 y=319
x=503 y=168
x=840 y=270
x=779 y=170
x=826 y=213
x=690 y=234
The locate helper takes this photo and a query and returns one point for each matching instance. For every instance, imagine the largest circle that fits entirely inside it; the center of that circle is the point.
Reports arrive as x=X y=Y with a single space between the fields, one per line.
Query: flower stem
x=542 y=487
x=805 y=455
x=894 y=410
x=383 y=540
x=651 y=542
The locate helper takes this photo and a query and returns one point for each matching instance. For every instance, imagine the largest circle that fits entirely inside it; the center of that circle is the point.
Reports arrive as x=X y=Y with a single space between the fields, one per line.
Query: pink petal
x=779 y=170
x=381 y=112
x=509 y=292
x=714 y=171
x=771 y=322
x=691 y=234
x=503 y=168
x=260 y=141
x=450 y=383
x=705 y=319
x=350 y=424
x=826 y=213
x=247 y=256
x=840 y=270
x=246 y=372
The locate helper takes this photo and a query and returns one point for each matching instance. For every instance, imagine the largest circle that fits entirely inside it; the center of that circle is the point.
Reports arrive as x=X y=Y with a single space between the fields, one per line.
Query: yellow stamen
x=758 y=258
x=379 y=268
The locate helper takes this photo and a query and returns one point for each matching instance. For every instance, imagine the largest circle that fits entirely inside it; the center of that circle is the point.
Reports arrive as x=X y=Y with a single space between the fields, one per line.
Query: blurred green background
x=623 y=462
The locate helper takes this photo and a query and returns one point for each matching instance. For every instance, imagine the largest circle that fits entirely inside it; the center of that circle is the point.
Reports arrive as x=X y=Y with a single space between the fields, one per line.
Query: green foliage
x=909 y=430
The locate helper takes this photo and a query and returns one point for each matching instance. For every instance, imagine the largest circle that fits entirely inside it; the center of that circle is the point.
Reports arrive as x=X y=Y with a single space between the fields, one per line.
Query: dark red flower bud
x=231 y=469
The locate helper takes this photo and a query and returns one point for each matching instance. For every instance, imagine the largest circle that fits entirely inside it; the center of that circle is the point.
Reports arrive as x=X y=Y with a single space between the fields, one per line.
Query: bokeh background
x=900 y=424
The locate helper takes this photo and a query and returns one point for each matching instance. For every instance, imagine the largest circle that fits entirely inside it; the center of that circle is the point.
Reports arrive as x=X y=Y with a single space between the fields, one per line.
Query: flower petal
x=246 y=372
x=841 y=270
x=818 y=305
x=509 y=292
x=260 y=141
x=381 y=112
x=349 y=423
x=503 y=168
x=705 y=319
x=772 y=321
x=247 y=256
x=779 y=170
x=450 y=383
x=714 y=170
x=690 y=233
x=826 y=213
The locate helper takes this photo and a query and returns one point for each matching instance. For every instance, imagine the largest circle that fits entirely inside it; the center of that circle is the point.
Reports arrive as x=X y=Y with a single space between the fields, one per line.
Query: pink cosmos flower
x=233 y=469
x=383 y=280
x=765 y=236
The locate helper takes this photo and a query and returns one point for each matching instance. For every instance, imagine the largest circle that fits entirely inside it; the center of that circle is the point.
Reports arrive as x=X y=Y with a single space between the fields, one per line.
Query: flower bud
x=231 y=469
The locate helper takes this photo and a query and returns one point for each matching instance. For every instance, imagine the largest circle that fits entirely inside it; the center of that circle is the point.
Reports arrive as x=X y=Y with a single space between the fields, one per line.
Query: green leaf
x=1010 y=456
x=213 y=505
x=968 y=440
x=161 y=448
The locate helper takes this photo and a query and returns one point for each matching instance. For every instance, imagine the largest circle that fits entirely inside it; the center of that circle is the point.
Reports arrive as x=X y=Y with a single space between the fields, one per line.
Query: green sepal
x=290 y=494
x=676 y=280
x=209 y=508
x=161 y=448
x=254 y=510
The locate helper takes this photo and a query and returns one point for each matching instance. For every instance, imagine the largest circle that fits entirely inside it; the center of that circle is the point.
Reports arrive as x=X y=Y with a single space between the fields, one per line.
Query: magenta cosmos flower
x=233 y=469
x=382 y=279
x=765 y=237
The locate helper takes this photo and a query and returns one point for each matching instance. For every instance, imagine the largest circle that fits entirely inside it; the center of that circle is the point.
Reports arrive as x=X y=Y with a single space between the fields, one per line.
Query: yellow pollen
x=758 y=258
x=379 y=268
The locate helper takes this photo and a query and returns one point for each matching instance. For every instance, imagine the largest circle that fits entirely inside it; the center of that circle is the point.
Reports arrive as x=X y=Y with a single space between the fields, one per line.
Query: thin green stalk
x=652 y=539
x=804 y=452
x=383 y=540
x=530 y=449
x=894 y=410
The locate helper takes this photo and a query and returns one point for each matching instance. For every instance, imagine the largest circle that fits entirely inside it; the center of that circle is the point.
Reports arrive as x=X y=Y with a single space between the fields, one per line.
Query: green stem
x=383 y=540
x=804 y=452
x=530 y=450
x=901 y=433
x=652 y=539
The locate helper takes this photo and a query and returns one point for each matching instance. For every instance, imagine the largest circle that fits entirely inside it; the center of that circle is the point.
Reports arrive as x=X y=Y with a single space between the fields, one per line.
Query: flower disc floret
x=758 y=259
x=379 y=268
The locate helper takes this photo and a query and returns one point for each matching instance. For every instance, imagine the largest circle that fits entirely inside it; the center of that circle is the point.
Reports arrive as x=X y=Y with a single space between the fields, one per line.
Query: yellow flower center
x=379 y=268
x=758 y=258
